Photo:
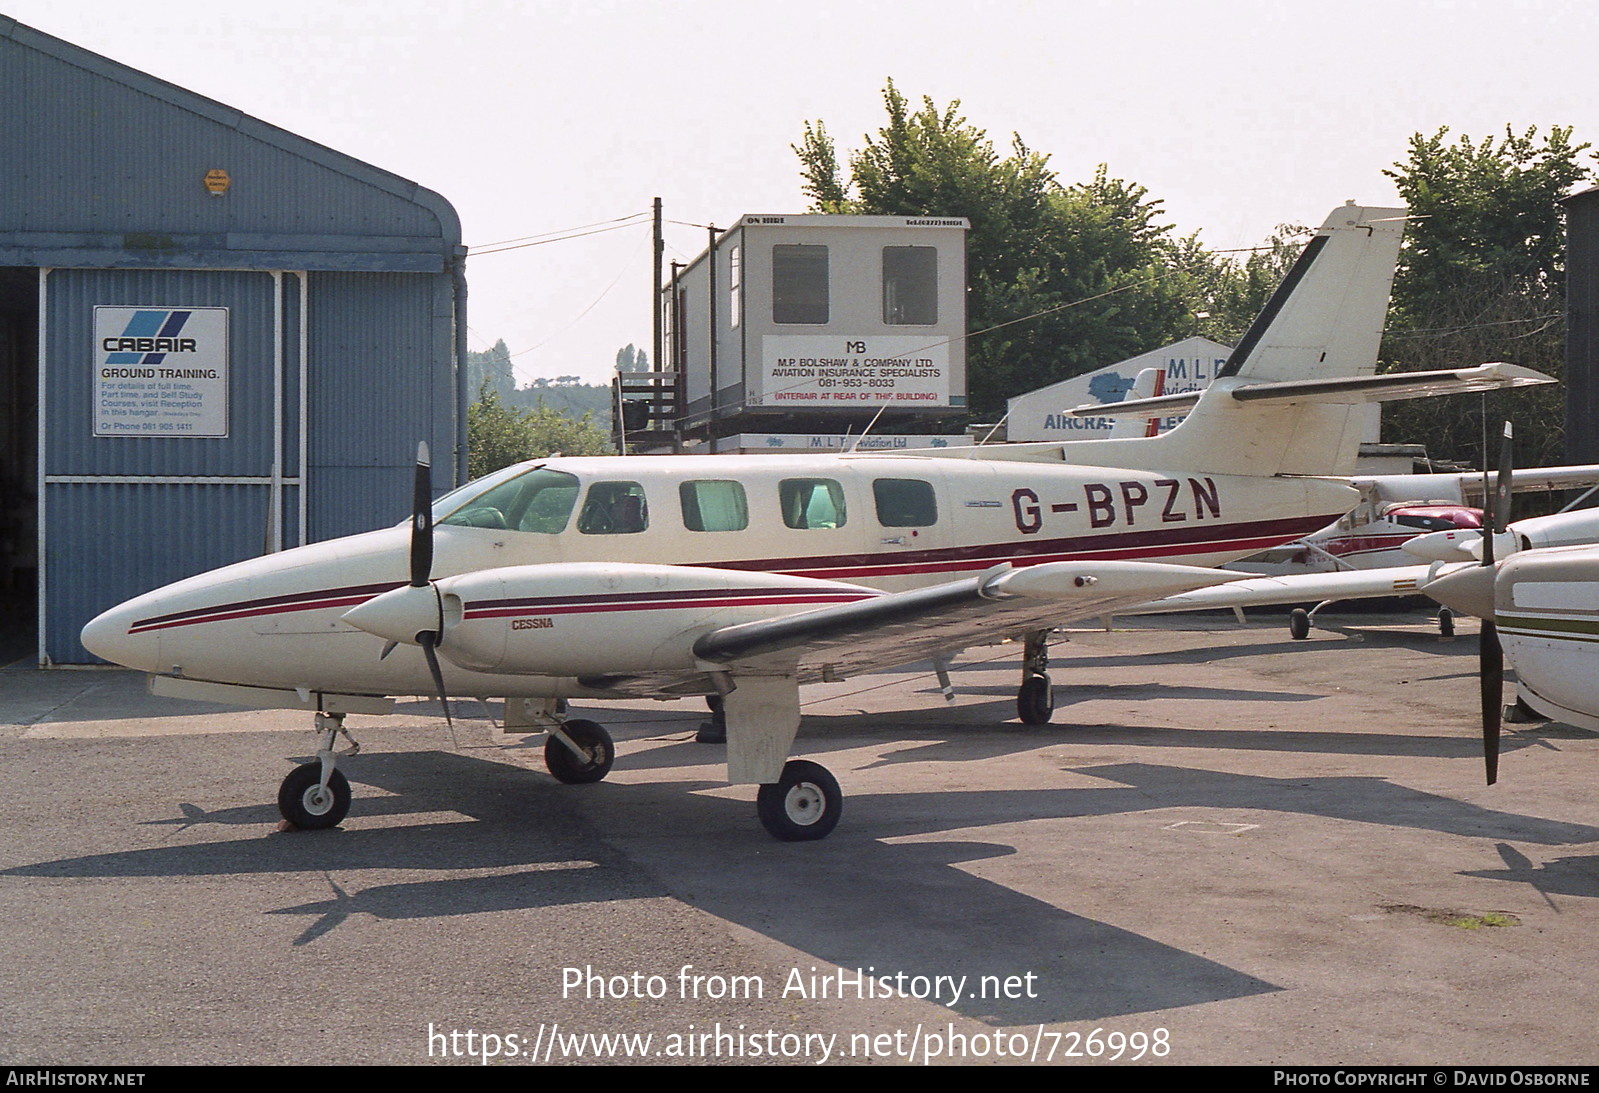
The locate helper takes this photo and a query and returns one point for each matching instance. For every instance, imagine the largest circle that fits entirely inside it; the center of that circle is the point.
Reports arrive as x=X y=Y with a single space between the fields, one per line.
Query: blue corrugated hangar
x=217 y=338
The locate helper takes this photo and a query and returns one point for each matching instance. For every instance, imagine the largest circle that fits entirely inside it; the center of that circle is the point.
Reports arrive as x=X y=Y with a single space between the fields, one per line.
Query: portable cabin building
x=817 y=323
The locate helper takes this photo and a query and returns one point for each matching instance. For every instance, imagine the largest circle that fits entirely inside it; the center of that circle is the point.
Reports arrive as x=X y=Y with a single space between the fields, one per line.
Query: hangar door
x=171 y=424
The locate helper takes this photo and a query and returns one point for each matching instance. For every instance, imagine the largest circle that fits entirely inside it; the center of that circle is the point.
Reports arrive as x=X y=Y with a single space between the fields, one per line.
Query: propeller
x=1490 y=654
x=412 y=613
x=422 y=566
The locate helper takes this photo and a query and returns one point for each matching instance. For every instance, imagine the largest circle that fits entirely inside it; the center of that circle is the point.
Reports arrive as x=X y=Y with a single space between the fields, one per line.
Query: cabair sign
x=160 y=371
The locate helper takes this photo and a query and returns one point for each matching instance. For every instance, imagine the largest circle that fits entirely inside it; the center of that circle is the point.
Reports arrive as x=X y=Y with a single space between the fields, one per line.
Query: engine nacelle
x=602 y=619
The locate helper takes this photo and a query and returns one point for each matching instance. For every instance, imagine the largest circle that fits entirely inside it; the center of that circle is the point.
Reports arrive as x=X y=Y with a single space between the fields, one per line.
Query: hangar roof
x=104 y=165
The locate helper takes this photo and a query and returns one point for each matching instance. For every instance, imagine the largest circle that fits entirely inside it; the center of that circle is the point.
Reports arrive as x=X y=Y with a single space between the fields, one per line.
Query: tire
x=307 y=806
x=1446 y=623
x=803 y=805
x=1519 y=713
x=595 y=742
x=1035 y=700
x=1299 y=624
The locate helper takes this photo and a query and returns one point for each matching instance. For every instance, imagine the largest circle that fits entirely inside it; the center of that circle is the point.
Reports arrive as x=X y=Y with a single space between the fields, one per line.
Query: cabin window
x=812 y=502
x=539 y=500
x=905 y=503
x=799 y=284
x=714 y=505
x=614 y=508
x=910 y=286
x=1425 y=523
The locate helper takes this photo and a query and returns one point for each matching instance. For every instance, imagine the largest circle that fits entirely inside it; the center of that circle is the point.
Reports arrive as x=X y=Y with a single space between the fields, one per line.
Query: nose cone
x=115 y=636
x=1469 y=591
x=1442 y=546
x=399 y=614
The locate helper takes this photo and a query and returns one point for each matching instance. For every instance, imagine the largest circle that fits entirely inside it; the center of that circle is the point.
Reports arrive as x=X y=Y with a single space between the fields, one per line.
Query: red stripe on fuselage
x=496 y=609
x=1241 y=539
x=267 y=605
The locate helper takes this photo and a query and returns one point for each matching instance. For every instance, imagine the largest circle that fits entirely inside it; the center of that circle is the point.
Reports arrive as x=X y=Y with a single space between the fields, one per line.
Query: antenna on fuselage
x=868 y=428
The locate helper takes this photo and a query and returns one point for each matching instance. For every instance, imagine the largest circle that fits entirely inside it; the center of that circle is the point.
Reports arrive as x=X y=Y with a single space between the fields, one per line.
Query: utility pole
x=655 y=300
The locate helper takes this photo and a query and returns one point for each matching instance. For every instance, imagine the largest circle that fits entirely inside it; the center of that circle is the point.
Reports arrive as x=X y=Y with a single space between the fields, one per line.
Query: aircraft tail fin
x=1324 y=322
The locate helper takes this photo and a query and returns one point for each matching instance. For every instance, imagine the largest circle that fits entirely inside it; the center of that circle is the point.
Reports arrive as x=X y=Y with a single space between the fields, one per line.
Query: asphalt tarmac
x=1229 y=847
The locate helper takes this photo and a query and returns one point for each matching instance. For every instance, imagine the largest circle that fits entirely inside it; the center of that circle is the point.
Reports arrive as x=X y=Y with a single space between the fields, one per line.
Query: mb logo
x=855 y=347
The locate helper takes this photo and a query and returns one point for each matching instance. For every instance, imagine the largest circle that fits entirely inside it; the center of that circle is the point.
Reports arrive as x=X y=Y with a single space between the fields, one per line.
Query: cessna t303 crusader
x=740 y=578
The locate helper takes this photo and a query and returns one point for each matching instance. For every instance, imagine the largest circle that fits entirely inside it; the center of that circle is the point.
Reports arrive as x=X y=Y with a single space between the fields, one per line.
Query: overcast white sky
x=536 y=116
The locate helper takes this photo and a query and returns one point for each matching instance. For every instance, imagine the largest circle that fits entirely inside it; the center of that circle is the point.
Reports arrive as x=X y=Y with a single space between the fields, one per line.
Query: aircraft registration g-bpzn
x=744 y=577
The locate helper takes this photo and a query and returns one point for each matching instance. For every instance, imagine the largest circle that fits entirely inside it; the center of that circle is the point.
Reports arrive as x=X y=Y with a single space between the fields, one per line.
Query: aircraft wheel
x=1519 y=713
x=804 y=804
x=1446 y=623
x=1035 y=701
x=1299 y=624
x=598 y=753
x=306 y=805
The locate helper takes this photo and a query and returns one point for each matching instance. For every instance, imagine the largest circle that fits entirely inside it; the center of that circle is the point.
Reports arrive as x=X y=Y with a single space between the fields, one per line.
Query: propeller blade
x=1491 y=667
x=1490 y=654
x=422 y=519
x=1502 y=486
x=430 y=641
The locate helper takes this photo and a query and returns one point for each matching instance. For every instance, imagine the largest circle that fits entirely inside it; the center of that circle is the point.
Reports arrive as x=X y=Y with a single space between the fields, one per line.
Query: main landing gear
x=802 y=805
x=1035 y=699
x=579 y=752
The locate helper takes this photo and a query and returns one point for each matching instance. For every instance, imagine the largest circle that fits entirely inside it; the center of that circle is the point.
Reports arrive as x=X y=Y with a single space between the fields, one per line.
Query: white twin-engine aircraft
x=744 y=577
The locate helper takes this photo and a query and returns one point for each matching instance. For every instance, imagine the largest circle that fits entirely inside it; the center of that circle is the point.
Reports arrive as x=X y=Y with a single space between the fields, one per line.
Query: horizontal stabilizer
x=1349 y=390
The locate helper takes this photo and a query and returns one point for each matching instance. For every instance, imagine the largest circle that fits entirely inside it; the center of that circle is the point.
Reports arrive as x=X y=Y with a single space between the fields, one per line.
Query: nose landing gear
x=316 y=795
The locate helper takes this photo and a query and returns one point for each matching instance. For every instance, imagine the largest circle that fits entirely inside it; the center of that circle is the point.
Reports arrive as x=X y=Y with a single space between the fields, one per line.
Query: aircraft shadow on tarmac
x=1260 y=644
x=855 y=900
x=1573 y=876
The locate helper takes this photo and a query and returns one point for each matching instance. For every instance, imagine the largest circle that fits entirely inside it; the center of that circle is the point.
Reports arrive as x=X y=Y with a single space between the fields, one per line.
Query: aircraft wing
x=1354 y=584
x=899 y=628
x=1468 y=486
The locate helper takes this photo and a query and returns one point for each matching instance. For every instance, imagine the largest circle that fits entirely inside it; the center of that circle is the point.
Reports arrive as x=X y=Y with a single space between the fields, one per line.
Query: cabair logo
x=148 y=337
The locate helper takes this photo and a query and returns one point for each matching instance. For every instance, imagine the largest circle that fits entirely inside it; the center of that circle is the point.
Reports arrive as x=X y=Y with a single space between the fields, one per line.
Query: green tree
x=1229 y=291
x=499 y=435
x=1481 y=278
x=491 y=366
x=629 y=359
x=1060 y=279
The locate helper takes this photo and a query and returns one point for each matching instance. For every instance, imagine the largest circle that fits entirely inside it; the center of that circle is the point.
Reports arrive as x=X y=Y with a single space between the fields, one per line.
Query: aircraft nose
x=1442 y=546
x=1469 y=591
x=399 y=614
x=110 y=636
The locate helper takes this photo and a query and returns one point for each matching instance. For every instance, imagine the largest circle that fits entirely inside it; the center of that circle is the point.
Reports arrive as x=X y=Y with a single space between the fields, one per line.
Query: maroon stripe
x=492 y=609
x=267 y=605
x=639 y=597
x=1193 y=539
